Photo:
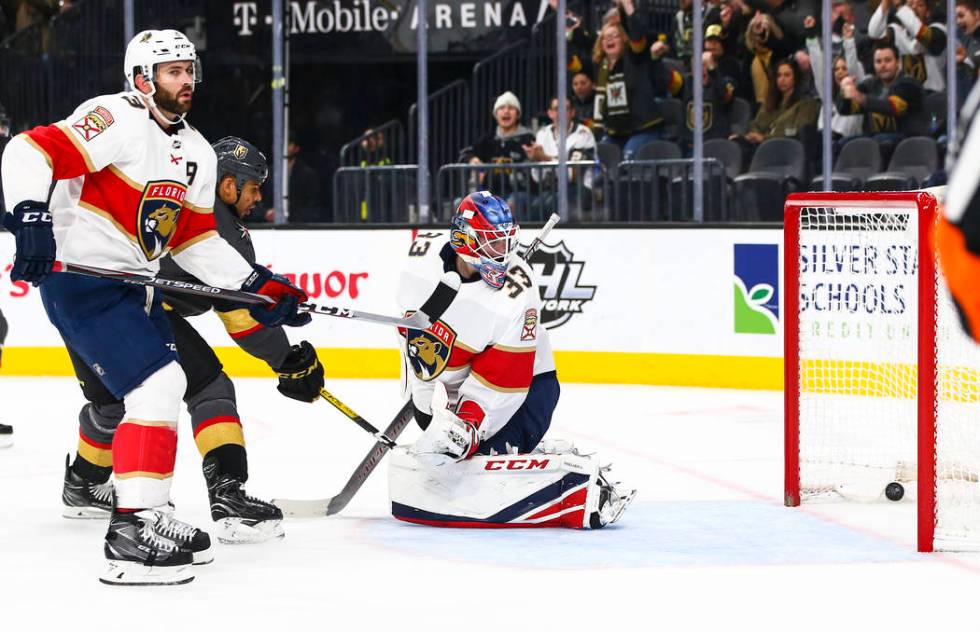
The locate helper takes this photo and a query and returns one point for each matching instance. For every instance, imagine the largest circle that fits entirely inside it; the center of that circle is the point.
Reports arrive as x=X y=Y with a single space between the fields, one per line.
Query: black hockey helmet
x=241 y=159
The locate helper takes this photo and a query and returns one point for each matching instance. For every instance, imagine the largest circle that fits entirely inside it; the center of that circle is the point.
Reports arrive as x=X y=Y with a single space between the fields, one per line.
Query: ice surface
x=707 y=545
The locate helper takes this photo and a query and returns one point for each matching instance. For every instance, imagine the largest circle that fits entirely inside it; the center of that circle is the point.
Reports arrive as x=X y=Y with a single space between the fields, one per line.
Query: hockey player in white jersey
x=133 y=182
x=480 y=462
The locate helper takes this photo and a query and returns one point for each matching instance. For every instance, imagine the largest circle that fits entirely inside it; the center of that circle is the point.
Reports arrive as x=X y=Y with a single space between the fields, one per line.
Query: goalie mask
x=485 y=235
x=148 y=49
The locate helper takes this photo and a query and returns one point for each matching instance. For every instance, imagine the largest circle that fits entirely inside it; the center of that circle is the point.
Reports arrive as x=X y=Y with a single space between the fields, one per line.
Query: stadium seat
x=859 y=159
x=658 y=150
x=728 y=152
x=778 y=168
x=741 y=115
x=914 y=160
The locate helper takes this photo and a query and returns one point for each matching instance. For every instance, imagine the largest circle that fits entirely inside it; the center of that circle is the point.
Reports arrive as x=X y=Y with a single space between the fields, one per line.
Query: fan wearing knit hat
x=505 y=144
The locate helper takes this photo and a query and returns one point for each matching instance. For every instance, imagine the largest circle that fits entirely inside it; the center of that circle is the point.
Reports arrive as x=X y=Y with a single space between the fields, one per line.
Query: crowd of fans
x=630 y=84
x=889 y=79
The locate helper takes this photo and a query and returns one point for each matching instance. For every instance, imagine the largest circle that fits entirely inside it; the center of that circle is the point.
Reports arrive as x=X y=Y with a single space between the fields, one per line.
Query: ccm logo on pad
x=517 y=464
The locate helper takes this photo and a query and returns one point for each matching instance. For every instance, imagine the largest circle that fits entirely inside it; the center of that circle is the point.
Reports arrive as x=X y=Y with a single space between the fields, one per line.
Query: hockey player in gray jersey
x=210 y=395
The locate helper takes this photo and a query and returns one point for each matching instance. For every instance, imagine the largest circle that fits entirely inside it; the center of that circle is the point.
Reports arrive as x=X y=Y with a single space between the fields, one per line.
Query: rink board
x=692 y=307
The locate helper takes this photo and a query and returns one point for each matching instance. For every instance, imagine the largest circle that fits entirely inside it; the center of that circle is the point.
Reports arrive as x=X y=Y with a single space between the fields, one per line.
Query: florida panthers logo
x=159 y=212
x=429 y=350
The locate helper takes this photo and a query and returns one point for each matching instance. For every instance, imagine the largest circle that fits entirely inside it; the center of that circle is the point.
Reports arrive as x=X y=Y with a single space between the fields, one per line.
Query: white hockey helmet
x=152 y=47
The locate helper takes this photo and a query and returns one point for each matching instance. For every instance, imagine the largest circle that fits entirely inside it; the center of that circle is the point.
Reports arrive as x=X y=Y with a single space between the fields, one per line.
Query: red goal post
x=874 y=383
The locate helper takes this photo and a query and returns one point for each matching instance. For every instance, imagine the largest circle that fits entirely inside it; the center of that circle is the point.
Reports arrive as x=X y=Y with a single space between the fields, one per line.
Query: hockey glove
x=288 y=297
x=34 y=237
x=301 y=375
x=447 y=438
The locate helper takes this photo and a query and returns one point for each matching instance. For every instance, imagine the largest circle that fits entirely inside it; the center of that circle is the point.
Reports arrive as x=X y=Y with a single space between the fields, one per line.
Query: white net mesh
x=858 y=360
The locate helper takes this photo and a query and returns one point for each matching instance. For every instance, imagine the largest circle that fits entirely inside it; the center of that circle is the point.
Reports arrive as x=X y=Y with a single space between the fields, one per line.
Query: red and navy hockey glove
x=34 y=237
x=287 y=296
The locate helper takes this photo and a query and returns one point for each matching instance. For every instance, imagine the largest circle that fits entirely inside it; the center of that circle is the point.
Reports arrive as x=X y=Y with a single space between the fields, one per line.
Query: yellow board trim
x=595 y=367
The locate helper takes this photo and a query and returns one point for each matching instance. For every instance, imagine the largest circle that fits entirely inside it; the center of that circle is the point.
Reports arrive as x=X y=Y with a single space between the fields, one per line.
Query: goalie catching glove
x=301 y=375
x=447 y=438
x=287 y=296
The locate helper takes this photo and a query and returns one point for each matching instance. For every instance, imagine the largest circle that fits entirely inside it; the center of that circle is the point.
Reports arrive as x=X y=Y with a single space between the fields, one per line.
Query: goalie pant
x=492 y=492
x=210 y=400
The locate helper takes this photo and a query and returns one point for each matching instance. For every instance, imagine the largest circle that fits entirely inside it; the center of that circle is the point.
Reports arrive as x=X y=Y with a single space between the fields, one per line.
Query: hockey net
x=882 y=385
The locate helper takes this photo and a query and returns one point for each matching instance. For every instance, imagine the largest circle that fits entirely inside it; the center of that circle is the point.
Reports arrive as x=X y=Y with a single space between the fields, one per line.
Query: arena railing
x=450 y=126
x=375 y=194
x=394 y=148
x=662 y=190
x=531 y=188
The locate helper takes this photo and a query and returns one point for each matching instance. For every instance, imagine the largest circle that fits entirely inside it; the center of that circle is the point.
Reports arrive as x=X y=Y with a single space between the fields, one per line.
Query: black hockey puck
x=894 y=491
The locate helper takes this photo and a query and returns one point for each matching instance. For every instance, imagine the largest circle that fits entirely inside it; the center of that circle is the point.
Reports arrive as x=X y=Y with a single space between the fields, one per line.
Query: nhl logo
x=156 y=220
x=560 y=281
x=240 y=152
x=428 y=351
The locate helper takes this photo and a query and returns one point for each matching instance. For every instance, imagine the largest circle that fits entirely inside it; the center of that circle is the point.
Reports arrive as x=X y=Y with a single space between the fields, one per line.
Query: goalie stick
x=385 y=441
x=335 y=504
x=437 y=303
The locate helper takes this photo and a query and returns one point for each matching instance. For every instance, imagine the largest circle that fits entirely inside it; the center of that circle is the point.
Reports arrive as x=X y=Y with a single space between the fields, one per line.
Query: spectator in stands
x=885 y=99
x=718 y=95
x=919 y=37
x=504 y=146
x=583 y=100
x=786 y=112
x=789 y=16
x=304 y=188
x=373 y=151
x=764 y=40
x=847 y=64
x=683 y=36
x=629 y=80
x=580 y=144
x=727 y=65
x=968 y=46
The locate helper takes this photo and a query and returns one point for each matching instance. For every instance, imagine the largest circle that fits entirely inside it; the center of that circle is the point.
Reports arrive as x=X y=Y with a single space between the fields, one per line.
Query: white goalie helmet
x=152 y=47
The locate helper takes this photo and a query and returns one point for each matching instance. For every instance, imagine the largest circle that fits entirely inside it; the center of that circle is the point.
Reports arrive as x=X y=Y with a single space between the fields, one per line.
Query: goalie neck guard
x=485 y=235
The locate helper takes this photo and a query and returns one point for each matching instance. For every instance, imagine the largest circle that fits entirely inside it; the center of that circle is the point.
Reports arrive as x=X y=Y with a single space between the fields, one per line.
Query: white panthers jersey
x=486 y=347
x=128 y=191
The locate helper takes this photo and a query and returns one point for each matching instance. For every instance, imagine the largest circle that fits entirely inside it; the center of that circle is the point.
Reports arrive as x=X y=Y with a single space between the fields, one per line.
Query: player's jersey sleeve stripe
x=182 y=241
x=68 y=159
x=198 y=209
x=33 y=143
x=505 y=369
x=239 y=322
x=461 y=356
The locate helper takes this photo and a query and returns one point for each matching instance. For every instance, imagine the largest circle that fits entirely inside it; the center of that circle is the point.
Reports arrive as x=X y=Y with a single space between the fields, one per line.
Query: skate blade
x=84 y=513
x=121 y=573
x=234 y=531
x=625 y=502
x=6 y=442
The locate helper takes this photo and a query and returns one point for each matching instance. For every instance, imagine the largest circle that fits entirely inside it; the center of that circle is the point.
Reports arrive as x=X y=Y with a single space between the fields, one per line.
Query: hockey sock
x=232 y=460
x=90 y=471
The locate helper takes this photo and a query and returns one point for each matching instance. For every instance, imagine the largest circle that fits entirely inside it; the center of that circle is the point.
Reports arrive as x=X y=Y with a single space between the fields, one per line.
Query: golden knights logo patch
x=240 y=152
x=429 y=350
x=156 y=219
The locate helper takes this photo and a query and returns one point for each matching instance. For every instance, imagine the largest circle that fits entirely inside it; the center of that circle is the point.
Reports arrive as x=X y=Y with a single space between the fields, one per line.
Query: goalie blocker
x=504 y=491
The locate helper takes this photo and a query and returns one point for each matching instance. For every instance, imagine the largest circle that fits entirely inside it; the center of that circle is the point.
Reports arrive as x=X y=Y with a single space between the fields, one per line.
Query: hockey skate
x=6 y=436
x=140 y=555
x=241 y=519
x=613 y=501
x=184 y=535
x=84 y=499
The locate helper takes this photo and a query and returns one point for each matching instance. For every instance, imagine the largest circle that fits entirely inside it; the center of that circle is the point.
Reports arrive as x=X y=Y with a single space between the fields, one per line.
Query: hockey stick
x=386 y=440
x=335 y=504
x=437 y=303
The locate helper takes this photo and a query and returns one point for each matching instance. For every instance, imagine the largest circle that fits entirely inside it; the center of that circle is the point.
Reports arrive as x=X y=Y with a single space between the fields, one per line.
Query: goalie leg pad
x=539 y=490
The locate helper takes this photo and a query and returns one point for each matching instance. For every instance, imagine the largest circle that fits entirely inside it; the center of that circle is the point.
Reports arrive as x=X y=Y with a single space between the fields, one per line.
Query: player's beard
x=169 y=102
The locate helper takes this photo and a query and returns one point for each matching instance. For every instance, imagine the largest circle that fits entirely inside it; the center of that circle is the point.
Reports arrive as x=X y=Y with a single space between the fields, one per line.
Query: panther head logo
x=428 y=351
